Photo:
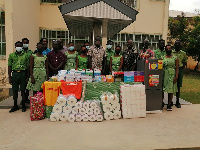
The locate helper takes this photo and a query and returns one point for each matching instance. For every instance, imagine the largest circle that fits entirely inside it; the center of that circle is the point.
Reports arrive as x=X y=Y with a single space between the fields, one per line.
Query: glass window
x=56 y=1
x=2 y=34
x=131 y=3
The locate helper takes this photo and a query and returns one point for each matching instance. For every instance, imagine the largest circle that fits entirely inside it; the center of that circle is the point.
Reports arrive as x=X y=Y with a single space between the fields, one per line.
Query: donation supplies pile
x=111 y=106
x=68 y=109
x=133 y=100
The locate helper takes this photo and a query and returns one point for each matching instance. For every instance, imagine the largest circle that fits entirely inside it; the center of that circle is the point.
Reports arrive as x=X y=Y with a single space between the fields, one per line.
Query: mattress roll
x=61 y=101
x=67 y=109
x=93 y=104
x=75 y=110
x=86 y=105
x=78 y=117
x=82 y=111
x=71 y=118
x=71 y=101
x=117 y=115
x=64 y=116
x=79 y=105
x=92 y=118
x=99 y=118
x=57 y=109
x=85 y=118
x=55 y=117
x=90 y=111
x=108 y=116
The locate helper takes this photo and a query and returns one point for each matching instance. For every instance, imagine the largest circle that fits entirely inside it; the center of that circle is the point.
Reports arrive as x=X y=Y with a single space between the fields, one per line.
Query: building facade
x=35 y=19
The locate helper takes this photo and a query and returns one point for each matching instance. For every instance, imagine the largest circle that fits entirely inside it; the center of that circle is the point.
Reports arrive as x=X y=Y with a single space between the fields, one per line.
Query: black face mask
x=83 y=51
x=168 y=52
x=117 y=51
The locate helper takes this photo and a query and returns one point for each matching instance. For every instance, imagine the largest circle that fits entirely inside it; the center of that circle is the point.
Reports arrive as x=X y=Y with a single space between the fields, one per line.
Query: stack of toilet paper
x=111 y=106
x=133 y=100
x=63 y=108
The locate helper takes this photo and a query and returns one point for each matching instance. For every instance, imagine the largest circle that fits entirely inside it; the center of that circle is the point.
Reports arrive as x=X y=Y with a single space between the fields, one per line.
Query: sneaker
x=14 y=108
x=23 y=109
x=178 y=105
x=169 y=108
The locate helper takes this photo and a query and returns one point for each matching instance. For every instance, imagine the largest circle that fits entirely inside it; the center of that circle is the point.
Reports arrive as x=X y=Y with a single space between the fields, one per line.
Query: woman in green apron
x=116 y=61
x=71 y=56
x=82 y=60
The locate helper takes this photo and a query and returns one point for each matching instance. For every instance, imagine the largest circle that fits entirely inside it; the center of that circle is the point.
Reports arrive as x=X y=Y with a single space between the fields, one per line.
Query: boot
x=14 y=108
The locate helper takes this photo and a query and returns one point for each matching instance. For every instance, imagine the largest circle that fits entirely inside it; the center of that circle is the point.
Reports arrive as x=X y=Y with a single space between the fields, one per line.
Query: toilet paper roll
x=90 y=111
x=116 y=107
x=99 y=118
x=61 y=101
x=79 y=105
x=71 y=118
x=85 y=117
x=67 y=109
x=57 y=109
x=107 y=108
x=82 y=111
x=78 y=117
x=92 y=118
x=55 y=117
x=75 y=110
x=117 y=115
x=93 y=105
x=105 y=99
x=97 y=111
x=71 y=101
x=64 y=116
x=108 y=116
x=86 y=105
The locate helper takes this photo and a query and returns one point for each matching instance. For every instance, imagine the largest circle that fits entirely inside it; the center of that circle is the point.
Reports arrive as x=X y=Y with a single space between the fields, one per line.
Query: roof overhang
x=80 y=16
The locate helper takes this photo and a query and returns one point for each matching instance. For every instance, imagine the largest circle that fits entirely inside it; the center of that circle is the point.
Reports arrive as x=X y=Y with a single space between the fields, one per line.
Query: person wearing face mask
x=116 y=61
x=87 y=45
x=109 y=52
x=97 y=56
x=71 y=57
x=161 y=50
x=146 y=52
x=18 y=62
x=130 y=57
x=62 y=48
x=56 y=60
x=38 y=70
x=82 y=60
x=46 y=50
x=170 y=75
x=182 y=64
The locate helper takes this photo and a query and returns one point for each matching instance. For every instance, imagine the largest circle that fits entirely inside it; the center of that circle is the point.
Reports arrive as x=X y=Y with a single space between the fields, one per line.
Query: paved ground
x=176 y=129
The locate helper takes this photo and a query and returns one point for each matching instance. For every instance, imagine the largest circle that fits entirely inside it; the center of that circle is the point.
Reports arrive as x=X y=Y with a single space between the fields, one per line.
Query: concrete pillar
x=165 y=21
x=97 y=30
x=104 y=32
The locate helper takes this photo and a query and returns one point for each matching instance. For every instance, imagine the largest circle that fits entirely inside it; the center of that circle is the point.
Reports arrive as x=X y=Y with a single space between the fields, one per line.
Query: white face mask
x=18 y=49
x=25 y=45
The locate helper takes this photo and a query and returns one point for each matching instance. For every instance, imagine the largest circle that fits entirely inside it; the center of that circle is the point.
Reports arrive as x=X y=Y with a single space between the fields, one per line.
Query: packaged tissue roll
x=71 y=118
x=79 y=105
x=71 y=100
x=92 y=118
x=99 y=118
x=86 y=105
x=93 y=104
x=105 y=99
x=107 y=108
x=108 y=116
x=78 y=117
x=55 y=117
x=116 y=107
x=89 y=111
x=57 y=109
x=67 y=109
x=97 y=111
x=117 y=115
x=85 y=118
x=82 y=111
x=75 y=110
x=64 y=116
x=61 y=101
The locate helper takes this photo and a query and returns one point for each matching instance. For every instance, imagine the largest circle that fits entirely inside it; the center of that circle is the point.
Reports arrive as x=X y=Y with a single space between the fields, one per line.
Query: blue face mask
x=88 y=47
x=109 y=46
x=71 y=48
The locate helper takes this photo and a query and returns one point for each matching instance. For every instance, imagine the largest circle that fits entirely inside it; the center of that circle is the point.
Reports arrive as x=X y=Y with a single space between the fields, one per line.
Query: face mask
x=83 y=51
x=40 y=50
x=88 y=47
x=109 y=46
x=18 y=49
x=25 y=45
x=168 y=52
x=117 y=51
x=71 y=48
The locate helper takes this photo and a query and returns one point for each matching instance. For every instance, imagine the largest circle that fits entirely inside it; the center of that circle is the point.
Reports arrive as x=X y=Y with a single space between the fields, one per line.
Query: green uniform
x=116 y=62
x=71 y=60
x=108 y=54
x=169 y=67
x=28 y=52
x=82 y=62
x=39 y=73
x=19 y=64
x=182 y=57
x=158 y=53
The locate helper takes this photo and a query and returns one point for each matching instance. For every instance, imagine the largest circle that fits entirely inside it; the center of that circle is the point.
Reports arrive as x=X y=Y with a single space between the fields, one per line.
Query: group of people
x=29 y=69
